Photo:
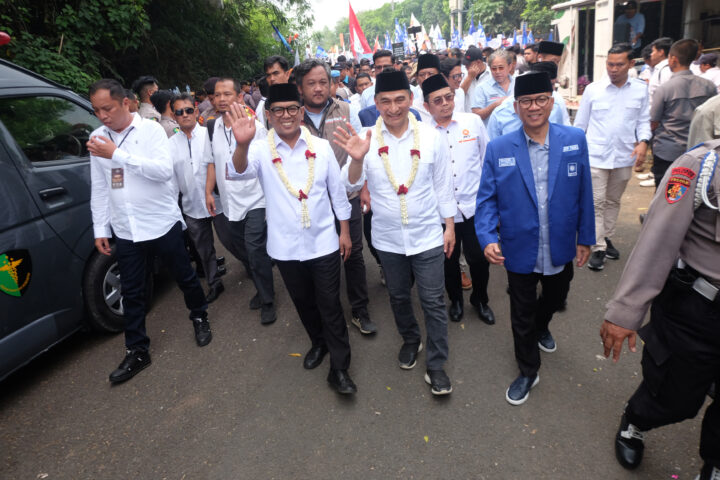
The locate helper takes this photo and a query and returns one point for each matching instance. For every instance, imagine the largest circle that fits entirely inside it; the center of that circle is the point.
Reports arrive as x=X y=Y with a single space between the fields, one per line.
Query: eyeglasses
x=540 y=101
x=458 y=76
x=438 y=101
x=292 y=110
x=187 y=110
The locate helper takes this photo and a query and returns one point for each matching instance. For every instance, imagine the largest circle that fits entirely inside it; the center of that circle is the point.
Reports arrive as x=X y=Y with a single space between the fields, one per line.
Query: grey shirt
x=539 y=162
x=673 y=104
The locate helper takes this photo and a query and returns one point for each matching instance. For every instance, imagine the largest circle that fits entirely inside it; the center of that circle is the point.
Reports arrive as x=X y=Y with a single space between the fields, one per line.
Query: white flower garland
x=299 y=194
x=403 y=188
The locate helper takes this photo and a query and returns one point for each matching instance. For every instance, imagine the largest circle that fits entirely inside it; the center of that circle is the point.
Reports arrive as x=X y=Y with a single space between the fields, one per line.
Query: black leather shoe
x=255 y=302
x=484 y=312
x=629 y=444
x=267 y=314
x=203 y=335
x=221 y=270
x=314 y=357
x=220 y=261
x=455 y=312
x=342 y=383
x=408 y=355
x=215 y=292
x=134 y=361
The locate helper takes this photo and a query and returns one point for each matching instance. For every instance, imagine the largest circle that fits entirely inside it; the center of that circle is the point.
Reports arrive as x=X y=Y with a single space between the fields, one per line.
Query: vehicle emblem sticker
x=15 y=272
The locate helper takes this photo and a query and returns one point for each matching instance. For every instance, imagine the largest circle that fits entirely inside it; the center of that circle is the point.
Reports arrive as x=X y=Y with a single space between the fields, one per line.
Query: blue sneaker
x=546 y=342
x=519 y=390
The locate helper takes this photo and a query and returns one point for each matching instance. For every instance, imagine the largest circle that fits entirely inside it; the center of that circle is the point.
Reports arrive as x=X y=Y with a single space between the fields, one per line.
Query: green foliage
x=76 y=42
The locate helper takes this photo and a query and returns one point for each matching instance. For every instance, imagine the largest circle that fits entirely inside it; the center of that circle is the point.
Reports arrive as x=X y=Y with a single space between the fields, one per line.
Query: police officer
x=675 y=270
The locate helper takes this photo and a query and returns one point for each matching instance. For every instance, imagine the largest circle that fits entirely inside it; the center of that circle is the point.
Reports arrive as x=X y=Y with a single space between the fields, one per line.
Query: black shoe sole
x=129 y=375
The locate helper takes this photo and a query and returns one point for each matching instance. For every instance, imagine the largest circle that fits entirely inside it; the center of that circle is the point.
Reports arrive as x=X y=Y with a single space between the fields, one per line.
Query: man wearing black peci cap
x=301 y=180
x=465 y=138
x=427 y=66
x=406 y=164
x=550 y=52
x=536 y=188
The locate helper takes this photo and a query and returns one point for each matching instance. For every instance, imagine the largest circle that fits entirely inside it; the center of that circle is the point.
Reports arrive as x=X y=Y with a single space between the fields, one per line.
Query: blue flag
x=279 y=37
x=514 y=40
x=388 y=44
x=398 y=32
x=472 y=26
x=550 y=36
x=530 y=39
x=524 y=34
x=320 y=52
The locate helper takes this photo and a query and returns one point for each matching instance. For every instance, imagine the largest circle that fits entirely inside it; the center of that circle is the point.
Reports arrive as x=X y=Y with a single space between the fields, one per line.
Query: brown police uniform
x=146 y=110
x=675 y=270
x=170 y=125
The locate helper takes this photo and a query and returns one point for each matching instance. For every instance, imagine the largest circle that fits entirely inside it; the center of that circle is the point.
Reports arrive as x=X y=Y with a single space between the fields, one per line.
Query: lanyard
x=123 y=139
x=229 y=138
x=189 y=148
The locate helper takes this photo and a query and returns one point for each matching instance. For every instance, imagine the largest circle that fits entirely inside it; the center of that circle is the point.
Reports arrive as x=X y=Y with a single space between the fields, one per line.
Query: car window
x=48 y=129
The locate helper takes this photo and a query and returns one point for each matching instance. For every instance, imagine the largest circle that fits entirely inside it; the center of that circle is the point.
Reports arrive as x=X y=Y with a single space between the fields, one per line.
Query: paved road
x=244 y=408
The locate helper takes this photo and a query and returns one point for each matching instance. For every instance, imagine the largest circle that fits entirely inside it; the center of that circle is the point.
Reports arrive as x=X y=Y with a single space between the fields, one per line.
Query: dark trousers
x=659 y=168
x=200 y=231
x=530 y=315
x=249 y=236
x=222 y=228
x=466 y=240
x=680 y=359
x=367 y=230
x=355 y=279
x=314 y=287
x=427 y=267
x=132 y=261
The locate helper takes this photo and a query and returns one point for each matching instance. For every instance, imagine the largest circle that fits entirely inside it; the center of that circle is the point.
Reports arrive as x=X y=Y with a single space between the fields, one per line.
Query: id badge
x=117 y=178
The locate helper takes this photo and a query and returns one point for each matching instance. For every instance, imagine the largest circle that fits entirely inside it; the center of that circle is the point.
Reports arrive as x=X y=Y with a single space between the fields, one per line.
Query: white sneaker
x=645 y=176
x=648 y=183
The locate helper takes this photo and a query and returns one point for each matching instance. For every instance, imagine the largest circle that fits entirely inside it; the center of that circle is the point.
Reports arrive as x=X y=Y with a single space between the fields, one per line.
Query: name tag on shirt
x=117 y=178
x=506 y=162
x=572 y=169
x=570 y=148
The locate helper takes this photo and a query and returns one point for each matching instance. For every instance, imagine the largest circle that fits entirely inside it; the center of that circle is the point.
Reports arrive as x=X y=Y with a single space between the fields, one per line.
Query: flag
x=297 y=57
x=399 y=37
x=320 y=52
x=414 y=21
x=388 y=44
x=376 y=47
x=472 y=26
x=342 y=41
x=358 y=43
x=480 y=29
x=524 y=34
x=530 y=38
x=550 y=36
x=514 y=39
x=279 y=37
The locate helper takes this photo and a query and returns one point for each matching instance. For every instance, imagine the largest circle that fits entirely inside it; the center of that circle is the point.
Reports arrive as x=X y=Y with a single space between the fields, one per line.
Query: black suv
x=52 y=280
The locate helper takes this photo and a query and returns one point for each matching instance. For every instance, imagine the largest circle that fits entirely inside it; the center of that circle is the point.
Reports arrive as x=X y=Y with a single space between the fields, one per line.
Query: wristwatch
x=646 y=141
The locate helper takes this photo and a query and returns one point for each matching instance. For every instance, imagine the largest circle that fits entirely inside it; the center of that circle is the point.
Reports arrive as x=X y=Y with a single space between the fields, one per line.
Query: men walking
x=673 y=105
x=243 y=202
x=187 y=150
x=133 y=201
x=614 y=146
x=674 y=270
x=301 y=180
x=407 y=170
x=536 y=189
x=322 y=116
x=465 y=138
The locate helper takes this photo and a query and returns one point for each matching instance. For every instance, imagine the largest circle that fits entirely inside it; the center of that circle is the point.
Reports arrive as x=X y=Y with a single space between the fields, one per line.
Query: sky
x=328 y=12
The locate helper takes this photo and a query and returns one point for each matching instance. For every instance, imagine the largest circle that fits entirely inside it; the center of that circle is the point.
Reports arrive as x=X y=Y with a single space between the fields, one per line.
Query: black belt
x=689 y=278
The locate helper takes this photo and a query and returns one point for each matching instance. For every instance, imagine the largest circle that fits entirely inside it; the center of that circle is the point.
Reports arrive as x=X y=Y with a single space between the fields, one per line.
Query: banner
x=358 y=43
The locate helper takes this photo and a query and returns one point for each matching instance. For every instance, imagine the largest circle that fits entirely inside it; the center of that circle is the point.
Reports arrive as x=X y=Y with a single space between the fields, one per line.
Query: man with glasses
x=489 y=95
x=536 y=192
x=187 y=150
x=243 y=202
x=465 y=138
x=451 y=68
x=614 y=113
x=301 y=179
x=406 y=165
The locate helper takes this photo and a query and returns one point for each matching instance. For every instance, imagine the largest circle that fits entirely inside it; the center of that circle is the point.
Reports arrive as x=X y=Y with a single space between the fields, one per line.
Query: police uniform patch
x=683 y=171
x=676 y=188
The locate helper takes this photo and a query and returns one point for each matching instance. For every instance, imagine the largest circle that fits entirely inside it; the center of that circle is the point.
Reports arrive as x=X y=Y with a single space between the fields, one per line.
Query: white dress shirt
x=713 y=74
x=661 y=74
x=459 y=100
x=466 y=139
x=430 y=194
x=145 y=207
x=238 y=197
x=614 y=119
x=190 y=171
x=287 y=239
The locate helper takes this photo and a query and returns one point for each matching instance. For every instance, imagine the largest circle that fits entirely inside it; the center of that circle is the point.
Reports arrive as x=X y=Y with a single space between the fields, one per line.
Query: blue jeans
x=428 y=268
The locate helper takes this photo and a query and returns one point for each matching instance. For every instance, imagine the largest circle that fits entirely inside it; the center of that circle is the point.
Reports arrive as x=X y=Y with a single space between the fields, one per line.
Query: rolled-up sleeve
x=344 y=177
x=442 y=180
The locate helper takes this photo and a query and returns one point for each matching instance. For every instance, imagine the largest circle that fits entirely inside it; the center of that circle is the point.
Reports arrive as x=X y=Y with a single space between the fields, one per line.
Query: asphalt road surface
x=244 y=408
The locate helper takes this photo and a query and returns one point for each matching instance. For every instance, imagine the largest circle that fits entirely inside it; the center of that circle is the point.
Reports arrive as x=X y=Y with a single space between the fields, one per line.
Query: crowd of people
x=443 y=163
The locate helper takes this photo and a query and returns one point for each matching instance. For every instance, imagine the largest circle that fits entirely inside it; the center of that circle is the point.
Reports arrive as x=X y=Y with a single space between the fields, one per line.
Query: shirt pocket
x=631 y=114
x=601 y=110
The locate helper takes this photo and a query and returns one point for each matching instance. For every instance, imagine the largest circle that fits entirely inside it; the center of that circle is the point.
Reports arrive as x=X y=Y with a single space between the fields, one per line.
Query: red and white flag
x=358 y=43
x=376 y=47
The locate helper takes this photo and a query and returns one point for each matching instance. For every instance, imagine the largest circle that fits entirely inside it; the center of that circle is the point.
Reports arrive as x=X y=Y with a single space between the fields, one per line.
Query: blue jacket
x=507 y=197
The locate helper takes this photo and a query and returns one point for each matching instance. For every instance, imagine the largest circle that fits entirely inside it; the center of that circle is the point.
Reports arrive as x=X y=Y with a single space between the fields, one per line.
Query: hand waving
x=243 y=126
x=356 y=146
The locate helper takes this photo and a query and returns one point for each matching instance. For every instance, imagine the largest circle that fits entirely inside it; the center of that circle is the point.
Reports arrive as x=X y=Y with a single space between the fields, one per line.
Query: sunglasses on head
x=186 y=110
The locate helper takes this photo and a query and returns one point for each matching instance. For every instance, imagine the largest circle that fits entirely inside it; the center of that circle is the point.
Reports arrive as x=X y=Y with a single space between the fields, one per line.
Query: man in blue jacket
x=536 y=190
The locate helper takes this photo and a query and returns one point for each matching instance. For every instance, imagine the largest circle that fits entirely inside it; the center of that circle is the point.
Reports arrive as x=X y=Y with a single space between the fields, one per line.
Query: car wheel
x=103 y=292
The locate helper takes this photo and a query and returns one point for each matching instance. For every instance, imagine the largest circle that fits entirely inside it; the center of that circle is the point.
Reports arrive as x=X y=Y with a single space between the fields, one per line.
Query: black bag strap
x=210 y=128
